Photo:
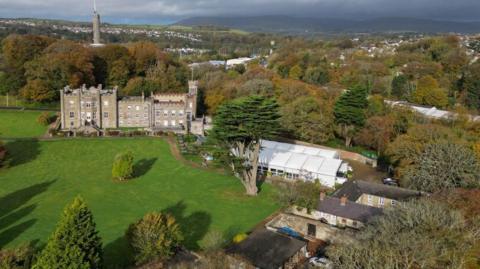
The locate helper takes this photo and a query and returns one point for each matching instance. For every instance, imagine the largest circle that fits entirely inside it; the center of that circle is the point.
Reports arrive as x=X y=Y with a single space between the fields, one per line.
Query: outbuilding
x=293 y=161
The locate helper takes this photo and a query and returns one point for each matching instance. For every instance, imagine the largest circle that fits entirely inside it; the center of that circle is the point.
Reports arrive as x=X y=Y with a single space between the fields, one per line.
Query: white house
x=302 y=162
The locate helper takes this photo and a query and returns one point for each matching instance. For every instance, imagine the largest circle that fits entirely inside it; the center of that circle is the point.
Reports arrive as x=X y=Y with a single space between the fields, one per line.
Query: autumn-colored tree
x=38 y=90
x=145 y=54
x=113 y=65
x=295 y=72
x=406 y=148
x=18 y=50
x=378 y=132
x=138 y=85
x=62 y=63
x=307 y=119
x=428 y=92
x=154 y=237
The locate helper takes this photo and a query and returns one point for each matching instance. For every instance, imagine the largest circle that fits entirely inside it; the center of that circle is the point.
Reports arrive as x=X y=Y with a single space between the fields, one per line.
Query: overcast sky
x=164 y=11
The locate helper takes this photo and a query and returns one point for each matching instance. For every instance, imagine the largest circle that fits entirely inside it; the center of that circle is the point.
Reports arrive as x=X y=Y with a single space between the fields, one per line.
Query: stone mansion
x=102 y=109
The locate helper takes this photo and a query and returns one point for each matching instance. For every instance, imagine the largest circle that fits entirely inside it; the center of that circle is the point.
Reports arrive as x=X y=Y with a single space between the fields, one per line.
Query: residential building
x=340 y=212
x=373 y=194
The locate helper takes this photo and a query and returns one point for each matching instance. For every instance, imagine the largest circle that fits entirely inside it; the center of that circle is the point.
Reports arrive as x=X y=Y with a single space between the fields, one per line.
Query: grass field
x=18 y=124
x=44 y=176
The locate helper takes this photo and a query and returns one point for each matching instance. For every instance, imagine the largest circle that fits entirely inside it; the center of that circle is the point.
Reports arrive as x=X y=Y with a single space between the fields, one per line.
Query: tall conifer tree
x=75 y=244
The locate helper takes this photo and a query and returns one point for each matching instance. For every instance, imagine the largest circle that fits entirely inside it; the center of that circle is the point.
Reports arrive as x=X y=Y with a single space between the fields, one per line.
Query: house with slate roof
x=373 y=194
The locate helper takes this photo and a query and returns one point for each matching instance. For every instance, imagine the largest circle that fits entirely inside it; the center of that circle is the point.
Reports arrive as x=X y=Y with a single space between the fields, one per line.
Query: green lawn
x=17 y=124
x=44 y=176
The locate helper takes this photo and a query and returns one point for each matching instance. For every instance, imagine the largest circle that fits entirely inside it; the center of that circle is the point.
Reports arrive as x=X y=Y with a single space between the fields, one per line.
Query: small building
x=340 y=212
x=373 y=194
x=292 y=161
x=268 y=250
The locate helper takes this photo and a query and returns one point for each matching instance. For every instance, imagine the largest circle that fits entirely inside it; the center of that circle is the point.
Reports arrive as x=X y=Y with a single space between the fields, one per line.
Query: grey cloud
x=158 y=10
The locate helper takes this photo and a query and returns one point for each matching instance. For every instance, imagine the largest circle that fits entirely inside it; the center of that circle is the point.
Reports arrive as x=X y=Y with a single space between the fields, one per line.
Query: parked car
x=390 y=181
x=321 y=262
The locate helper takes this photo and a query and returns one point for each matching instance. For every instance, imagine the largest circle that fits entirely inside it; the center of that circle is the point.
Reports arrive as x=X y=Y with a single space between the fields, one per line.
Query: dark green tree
x=400 y=87
x=471 y=85
x=238 y=127
x=349 y=111
x=75 y=242
x=317 y=75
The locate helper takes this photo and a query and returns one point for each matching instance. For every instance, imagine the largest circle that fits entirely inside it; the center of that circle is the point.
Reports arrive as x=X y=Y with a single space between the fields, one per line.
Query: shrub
x=213 y=241
x=123 y=166
x=45 y=118
x=18 y=258
x=74 y=242
x=239 y=238
x=155 y=237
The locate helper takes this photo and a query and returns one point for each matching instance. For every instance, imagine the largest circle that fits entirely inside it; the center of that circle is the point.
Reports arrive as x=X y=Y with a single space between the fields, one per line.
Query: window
x=157 y=113
x=129 y=107
x=173 y=113
x=105 y=103
x=165 y=113
x=311 y=229
x=180 y=122
x=354 y=224
x=344 y=221
x=137 y=108
x=180 y=112
x=105 y=114
x=71 y=123
x=72 y=114
x=88 y=104
x=165 y=123
x=190 y=105
x=173 y=123
x=393 y=202
x=94 y=115
x=71 y=102
x=381 y=201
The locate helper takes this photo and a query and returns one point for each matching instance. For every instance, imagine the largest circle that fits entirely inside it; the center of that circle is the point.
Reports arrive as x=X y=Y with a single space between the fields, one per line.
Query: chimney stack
x=343 y=200
x=322 y=196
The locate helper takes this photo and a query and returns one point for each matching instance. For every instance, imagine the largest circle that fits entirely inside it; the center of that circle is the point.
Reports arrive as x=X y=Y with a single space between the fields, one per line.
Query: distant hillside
x=286 y=24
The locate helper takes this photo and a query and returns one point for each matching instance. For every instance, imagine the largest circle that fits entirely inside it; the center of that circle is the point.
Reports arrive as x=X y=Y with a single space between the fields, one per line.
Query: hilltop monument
x=96 y=26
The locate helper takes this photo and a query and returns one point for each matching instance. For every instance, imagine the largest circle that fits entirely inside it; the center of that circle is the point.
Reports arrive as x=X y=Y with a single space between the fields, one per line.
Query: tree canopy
x=238 y=127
